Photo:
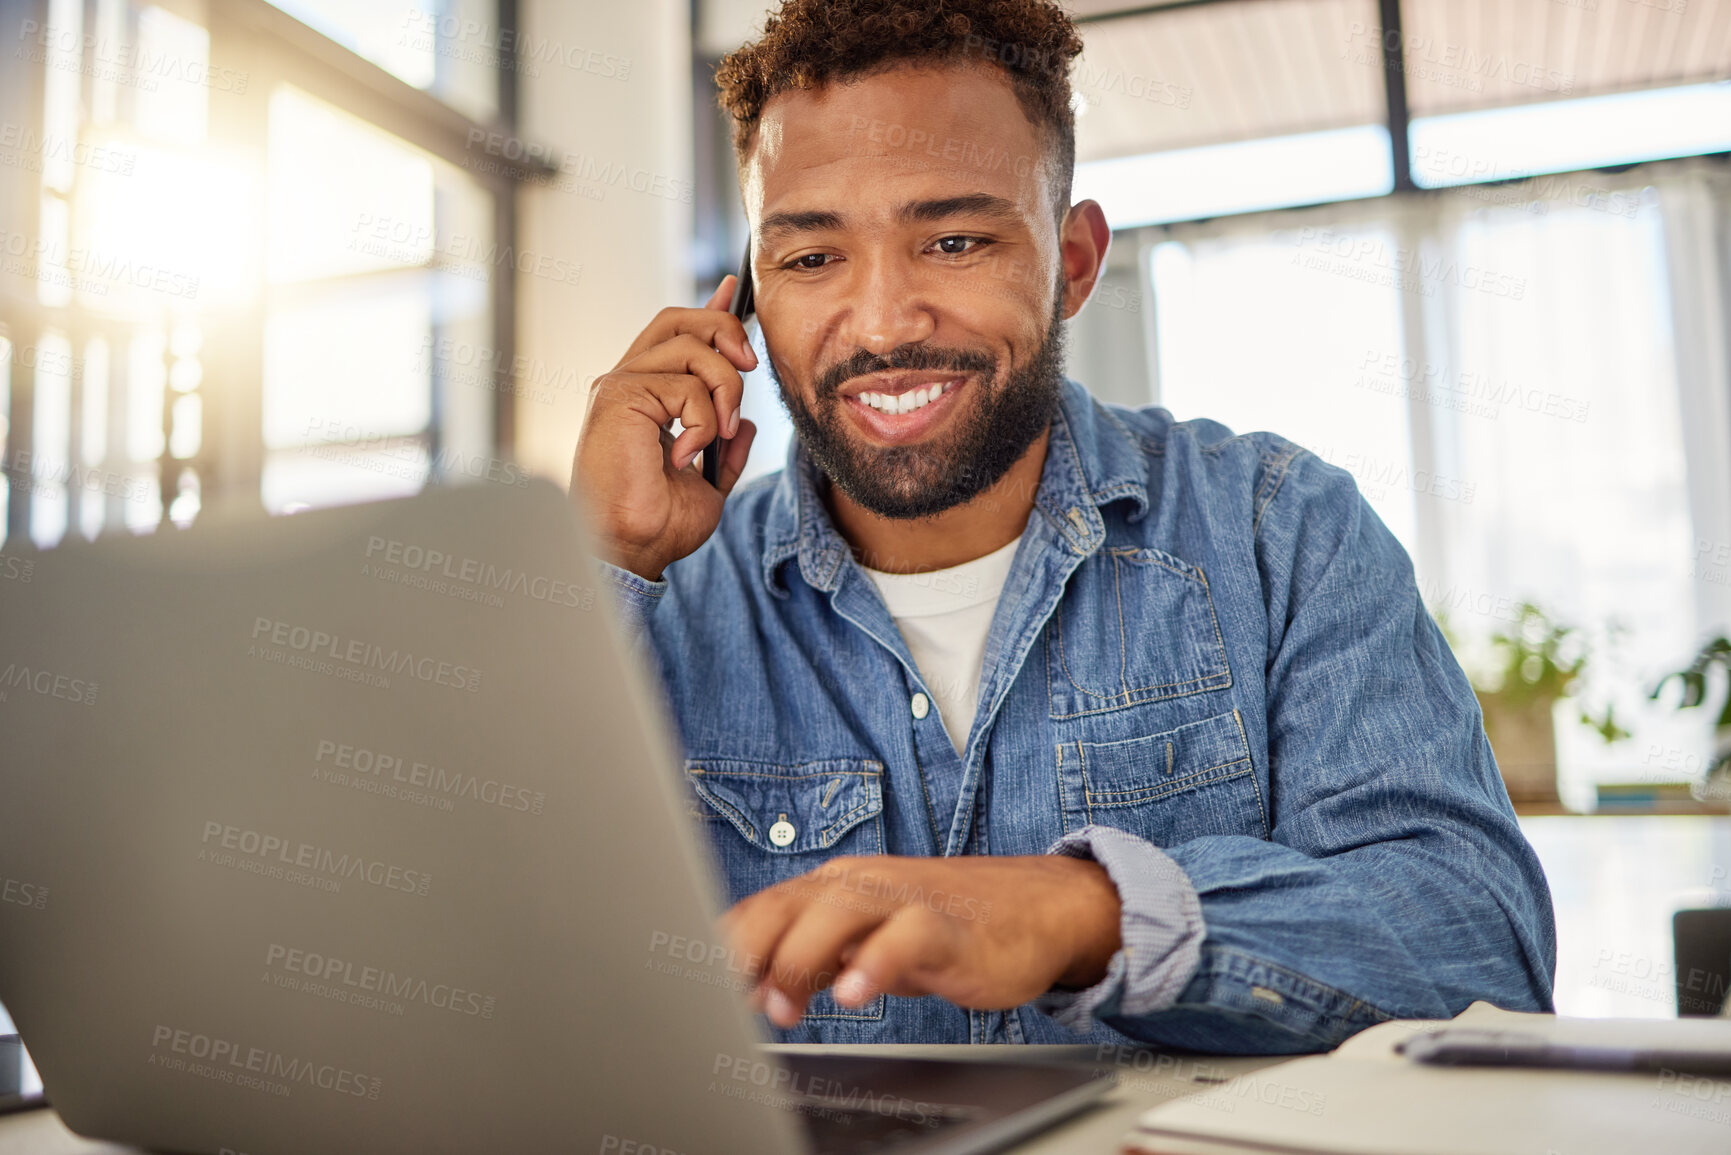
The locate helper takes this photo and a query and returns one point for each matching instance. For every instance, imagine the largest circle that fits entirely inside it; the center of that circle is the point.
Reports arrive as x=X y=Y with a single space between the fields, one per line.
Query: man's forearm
x=1302 y=952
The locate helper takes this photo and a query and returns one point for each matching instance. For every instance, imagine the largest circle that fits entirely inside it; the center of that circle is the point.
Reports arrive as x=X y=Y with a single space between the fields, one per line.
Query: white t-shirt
x=944 y=616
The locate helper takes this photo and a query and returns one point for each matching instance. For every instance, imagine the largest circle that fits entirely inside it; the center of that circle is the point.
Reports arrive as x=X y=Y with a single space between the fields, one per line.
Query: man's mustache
x=910 y=357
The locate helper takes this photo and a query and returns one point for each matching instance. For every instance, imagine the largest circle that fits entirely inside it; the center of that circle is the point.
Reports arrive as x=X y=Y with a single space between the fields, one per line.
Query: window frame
x=269 y=47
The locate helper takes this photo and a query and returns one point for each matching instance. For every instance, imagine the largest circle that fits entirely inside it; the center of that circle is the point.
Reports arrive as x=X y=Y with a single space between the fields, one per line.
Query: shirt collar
x=1091 y=458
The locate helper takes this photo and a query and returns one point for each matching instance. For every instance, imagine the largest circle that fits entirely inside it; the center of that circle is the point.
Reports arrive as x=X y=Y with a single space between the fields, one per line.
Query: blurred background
x=1476 y=252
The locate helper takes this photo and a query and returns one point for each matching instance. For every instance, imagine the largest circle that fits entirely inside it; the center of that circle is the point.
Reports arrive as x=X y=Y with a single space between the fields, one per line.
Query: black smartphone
x=1611 y=1050
x=741 y=308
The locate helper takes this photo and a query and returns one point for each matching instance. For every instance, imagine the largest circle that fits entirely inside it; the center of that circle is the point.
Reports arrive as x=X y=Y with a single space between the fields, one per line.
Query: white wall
x=621 y=208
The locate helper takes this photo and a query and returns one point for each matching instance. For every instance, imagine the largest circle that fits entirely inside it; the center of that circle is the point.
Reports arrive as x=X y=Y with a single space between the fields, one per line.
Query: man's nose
x=888 y=308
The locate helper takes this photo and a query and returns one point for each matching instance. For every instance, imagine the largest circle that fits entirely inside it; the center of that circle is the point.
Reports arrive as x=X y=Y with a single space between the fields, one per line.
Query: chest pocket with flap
x=1135 y=626
x=768 y=823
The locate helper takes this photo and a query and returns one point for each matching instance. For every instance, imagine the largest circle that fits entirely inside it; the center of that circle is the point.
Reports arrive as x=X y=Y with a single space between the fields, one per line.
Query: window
x=1523 y=368
x=244 y=257
x=1268 y=332
x=1498 y=369
x=376 y=253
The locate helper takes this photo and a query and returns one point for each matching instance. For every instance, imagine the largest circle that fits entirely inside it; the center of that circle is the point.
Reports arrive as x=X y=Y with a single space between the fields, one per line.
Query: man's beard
x=908 y=481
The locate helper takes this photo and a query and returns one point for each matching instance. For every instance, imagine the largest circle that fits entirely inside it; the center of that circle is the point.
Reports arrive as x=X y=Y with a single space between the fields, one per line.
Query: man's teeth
x=905 y=402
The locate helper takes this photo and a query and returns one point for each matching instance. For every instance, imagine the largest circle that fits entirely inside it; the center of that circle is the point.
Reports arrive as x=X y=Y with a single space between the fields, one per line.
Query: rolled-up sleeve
x=1160 y=927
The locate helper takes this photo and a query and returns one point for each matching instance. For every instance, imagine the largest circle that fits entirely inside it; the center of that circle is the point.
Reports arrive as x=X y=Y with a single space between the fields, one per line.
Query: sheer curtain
x=1531 y=391
x=1279 y=322
x=1695 y=203
x=1585 y=508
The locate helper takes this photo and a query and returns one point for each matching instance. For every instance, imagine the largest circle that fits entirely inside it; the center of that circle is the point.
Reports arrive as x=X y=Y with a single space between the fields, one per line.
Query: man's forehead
x=926 y=130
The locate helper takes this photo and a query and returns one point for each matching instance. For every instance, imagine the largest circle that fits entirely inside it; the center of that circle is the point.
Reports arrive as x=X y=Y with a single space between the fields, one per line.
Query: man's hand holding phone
x=643 y=486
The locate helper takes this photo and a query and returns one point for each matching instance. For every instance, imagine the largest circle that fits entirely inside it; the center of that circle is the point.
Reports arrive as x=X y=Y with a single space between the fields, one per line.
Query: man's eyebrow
x=977 y=204
x=776 y=225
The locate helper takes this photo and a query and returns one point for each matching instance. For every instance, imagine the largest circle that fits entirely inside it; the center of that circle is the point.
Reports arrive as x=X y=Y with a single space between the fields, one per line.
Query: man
x=1013 y=716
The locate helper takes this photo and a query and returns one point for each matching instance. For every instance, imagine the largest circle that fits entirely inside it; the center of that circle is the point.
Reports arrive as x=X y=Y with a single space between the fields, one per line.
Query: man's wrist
x=1161 y=929
x=645 y=566
x=1097 y=932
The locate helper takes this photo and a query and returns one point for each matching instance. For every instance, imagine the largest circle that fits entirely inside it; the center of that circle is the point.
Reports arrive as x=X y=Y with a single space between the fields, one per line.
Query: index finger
x=713 y=324
x=723 y=295
x=754 y=924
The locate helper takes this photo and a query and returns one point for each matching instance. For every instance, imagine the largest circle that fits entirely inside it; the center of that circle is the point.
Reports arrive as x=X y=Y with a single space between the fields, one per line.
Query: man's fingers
x=723 y=295
x=714 y=326
x=791 y=936
x=660 y=397
x=741 y=353
x=908 y=955
x=688 y=354
x=734 y=451
x=808 y=957
x=754 y=924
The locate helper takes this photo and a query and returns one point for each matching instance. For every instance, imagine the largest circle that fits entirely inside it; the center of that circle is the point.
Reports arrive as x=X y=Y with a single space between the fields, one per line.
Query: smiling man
x=1013 y=716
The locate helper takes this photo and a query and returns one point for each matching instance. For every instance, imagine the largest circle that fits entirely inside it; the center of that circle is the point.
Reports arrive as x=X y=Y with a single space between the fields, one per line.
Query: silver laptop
x=360 y=830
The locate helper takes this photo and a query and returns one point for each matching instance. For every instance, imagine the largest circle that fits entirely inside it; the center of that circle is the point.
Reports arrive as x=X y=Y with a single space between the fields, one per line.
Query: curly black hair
x=808 y=44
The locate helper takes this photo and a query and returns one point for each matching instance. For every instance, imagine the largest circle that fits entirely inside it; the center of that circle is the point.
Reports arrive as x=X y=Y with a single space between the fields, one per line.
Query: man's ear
x=1083 y=240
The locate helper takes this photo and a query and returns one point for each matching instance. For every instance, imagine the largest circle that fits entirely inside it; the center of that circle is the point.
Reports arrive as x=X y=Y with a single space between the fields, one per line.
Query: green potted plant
x=1715 y=784
x=1532 y=663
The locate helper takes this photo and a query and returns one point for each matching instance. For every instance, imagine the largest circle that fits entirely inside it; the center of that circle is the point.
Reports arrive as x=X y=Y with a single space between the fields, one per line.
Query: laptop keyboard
x=836 y=1128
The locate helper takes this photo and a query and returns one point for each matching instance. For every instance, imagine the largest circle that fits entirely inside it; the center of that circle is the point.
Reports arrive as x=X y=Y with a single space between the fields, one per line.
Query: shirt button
x=922 y=705
x=782 y=833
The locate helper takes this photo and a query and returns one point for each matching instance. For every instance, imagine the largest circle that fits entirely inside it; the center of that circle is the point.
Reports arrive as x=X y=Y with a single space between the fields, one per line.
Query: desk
x=1145 y=1079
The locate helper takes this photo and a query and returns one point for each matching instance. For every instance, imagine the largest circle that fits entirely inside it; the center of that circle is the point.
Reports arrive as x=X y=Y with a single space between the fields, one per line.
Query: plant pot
x=1524 y=740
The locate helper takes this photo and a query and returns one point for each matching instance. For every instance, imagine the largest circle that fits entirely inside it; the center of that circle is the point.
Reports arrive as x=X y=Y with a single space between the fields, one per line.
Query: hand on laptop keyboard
x=983 y=932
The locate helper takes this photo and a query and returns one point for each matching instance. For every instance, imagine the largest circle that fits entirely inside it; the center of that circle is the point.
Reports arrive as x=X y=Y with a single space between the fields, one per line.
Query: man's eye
x=953 y=246
x=806 y=261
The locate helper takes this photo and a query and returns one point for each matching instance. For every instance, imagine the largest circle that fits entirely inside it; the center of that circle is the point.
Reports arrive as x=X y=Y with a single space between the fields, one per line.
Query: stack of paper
x=1368 y=1099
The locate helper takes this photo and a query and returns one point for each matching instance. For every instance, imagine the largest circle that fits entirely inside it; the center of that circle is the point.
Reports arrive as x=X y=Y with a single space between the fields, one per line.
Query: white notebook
x=1367 y=1099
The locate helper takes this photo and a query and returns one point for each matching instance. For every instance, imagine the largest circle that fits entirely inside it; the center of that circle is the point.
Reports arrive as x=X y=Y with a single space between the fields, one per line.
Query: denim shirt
x=1209 y=669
